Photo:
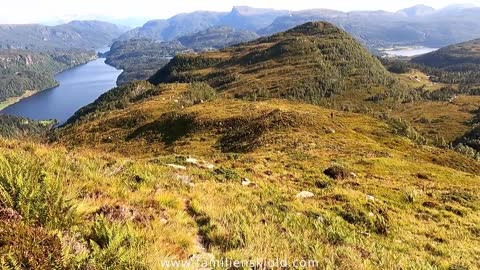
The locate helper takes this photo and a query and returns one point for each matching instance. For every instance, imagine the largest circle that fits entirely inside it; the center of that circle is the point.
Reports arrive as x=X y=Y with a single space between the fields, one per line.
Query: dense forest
x=216 y=38
x=141 y=58
x=19 y=127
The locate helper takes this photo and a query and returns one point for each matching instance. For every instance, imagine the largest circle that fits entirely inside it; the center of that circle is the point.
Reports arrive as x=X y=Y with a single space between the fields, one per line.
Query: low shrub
x=338 y=173
x=197 y=93
x=27 y=247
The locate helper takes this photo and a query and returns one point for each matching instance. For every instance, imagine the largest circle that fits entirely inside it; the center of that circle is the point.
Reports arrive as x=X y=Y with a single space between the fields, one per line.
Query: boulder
x=192 y=161
x=339 y=173
x=246 y=182
x=305 y=195
x=177 y=167
x=207 y=166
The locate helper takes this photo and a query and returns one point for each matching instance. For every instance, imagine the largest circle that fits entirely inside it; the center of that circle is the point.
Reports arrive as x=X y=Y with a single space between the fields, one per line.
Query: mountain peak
x=249 y=11
x=418 y=10
x=315 y=29
x=311 y=62
x=459 y=6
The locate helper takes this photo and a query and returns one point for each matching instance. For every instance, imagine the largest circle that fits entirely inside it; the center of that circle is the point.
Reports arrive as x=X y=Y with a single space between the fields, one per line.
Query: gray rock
x=305 y=195
x=246 y=182
x=177 y=167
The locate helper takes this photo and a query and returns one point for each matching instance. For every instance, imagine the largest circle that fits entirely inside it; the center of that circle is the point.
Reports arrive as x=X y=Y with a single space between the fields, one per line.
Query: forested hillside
x=216 y=38
x=13 y=127
x=459 y=63
x=141 y=58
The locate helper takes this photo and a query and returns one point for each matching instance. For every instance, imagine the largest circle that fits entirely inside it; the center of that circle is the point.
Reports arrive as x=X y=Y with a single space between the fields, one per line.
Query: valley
x=24 y=72
x=76 y=88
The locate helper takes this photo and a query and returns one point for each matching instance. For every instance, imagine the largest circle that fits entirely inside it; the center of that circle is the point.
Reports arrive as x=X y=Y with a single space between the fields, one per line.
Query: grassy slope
x=456 y=121
x=448 y=120
x=410 y=206
x=424 y=215
x=291 y=64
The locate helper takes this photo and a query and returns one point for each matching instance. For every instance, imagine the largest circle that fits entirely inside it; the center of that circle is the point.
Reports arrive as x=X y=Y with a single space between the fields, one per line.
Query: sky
x=51 y=11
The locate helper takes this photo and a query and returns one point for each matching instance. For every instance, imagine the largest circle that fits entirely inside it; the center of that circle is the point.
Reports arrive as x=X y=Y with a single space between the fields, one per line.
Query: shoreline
x=410 y=51
x=13 y=100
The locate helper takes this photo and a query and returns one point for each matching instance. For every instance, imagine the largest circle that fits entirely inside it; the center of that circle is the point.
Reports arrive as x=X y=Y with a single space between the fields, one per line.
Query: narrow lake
x=410 y=51
x=78 y=87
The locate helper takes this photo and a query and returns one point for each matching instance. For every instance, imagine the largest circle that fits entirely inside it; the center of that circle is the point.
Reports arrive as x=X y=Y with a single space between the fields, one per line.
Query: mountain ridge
x=426 y=27
x=75 y=34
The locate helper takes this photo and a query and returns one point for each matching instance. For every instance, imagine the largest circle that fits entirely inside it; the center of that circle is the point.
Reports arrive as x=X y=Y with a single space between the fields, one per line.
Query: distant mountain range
x=417 y=25
x=76 y=34
x=241 y=18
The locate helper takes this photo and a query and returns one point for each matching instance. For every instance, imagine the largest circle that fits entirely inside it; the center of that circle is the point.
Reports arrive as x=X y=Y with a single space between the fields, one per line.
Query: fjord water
x=410 y=51
x=78 y=87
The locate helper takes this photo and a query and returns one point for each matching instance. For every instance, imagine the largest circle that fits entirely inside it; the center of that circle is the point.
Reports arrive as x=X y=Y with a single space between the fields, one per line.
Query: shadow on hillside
x=170 y=128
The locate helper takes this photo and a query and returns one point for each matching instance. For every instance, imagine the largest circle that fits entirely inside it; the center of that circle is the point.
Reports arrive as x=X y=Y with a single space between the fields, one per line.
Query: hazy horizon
x=56 y=11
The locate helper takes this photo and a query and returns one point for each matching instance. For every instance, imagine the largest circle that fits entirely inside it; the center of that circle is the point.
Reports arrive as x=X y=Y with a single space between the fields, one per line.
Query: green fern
x=112 y=246
x=36 y=195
